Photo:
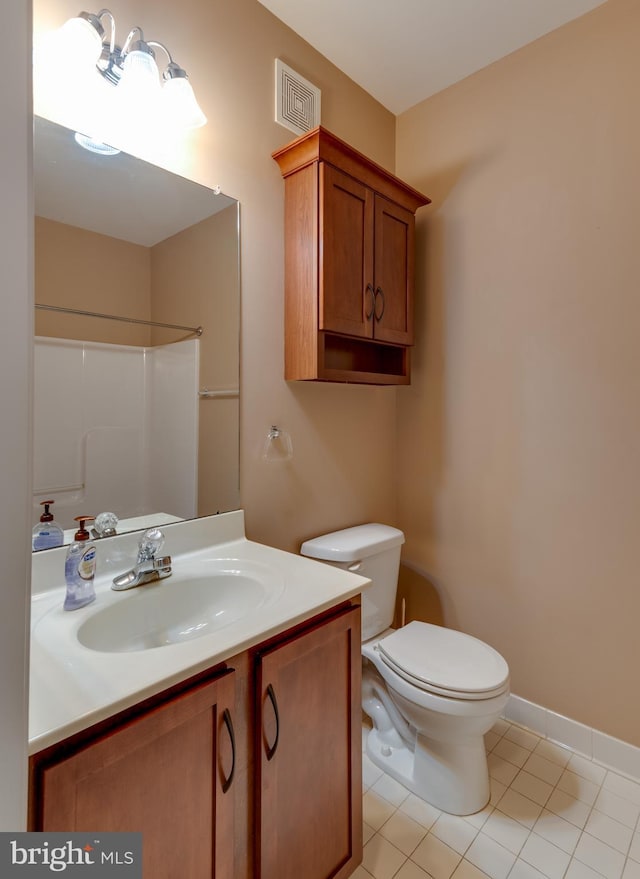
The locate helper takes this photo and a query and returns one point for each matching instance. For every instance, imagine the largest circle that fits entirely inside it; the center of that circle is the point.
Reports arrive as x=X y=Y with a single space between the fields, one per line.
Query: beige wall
x=519 y=479
x=75 y=268
x=343 y=436
x=195 y=281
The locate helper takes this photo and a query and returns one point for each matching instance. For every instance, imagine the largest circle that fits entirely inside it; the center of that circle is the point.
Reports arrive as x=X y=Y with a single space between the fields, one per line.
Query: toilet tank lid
x=353 y=544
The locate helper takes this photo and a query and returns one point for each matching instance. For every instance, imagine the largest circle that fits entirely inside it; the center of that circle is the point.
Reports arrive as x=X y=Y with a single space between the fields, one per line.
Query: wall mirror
x=136 y=411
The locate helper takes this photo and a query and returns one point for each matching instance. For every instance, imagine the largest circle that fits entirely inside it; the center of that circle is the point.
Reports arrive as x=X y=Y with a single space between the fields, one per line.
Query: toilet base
x=452 y=777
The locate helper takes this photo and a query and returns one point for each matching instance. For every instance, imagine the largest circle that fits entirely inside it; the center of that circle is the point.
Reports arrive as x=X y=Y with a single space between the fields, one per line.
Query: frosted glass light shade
x=180 y=105
x=140 y=77
x=78 y=43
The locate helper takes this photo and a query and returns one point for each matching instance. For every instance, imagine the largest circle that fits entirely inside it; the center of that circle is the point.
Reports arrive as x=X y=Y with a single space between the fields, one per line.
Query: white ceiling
x=403 y=51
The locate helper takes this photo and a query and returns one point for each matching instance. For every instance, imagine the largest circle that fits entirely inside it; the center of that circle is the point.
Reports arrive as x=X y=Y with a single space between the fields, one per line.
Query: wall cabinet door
x=367 y=249
x=346 y=291
x=309 y=785
x=168 y=773
x=394 y=252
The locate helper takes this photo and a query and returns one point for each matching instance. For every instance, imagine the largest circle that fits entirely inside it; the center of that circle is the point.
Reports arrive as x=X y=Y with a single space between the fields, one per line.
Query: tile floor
x=553 y=815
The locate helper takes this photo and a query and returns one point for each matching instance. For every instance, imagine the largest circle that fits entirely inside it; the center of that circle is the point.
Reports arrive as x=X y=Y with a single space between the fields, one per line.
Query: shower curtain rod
x=129 y=320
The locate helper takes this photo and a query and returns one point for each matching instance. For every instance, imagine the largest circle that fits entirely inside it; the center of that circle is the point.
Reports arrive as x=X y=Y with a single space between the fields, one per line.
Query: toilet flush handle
x=355 y=566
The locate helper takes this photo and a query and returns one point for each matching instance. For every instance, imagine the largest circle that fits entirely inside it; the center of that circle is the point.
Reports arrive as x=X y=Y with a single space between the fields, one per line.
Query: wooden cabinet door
x=345 y=282
x=394 y=271
x=309 y=763
x=168 y=774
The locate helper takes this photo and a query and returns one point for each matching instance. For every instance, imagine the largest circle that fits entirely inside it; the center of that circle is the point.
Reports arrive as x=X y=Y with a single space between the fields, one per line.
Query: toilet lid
x=445 y=661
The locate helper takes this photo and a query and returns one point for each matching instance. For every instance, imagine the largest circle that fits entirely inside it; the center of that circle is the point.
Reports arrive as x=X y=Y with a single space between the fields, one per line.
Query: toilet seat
x=444 y=662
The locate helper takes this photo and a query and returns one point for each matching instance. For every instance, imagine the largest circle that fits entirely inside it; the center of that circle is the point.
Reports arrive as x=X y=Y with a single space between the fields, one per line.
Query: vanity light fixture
x=109 y=93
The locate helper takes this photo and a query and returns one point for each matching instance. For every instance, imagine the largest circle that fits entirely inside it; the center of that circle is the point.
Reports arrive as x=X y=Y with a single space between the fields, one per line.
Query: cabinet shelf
x=345 y=359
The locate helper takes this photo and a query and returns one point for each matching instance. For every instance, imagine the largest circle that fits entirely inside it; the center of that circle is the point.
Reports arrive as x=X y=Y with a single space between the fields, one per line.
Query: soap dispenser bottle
x=47 y=533
x=80 y=568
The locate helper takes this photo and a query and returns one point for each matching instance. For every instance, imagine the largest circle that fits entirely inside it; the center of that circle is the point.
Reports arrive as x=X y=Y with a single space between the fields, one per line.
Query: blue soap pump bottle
x=46 y=533
x=80 y=568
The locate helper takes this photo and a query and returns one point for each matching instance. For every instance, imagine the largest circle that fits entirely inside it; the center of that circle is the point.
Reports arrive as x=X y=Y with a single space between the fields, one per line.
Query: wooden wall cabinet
x=349 y=264
x=251 y=771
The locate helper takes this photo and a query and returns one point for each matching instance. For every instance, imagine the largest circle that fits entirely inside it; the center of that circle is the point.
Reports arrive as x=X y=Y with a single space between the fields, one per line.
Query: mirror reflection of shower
x=172 y=257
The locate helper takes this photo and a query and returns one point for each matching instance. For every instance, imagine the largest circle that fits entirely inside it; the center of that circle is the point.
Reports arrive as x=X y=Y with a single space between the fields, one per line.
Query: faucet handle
x=105 y=525
x=150 y=544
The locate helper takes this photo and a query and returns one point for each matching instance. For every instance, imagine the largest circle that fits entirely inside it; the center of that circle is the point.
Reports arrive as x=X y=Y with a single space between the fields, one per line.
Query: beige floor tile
x=403 y=832
x=558 y=830
x=545 y=857
x=361 y=873
x=490 y=857
x=553 y=752
x=376 y=810
x=544 y=769
x=617 y=807
x=560 y=816
x=436 y=858
x=423 y=813
x=532 y=787
x=409 y=870
x=579 y=787
x=390 y=789
x=523 y=737
x=505 y=830
x=599 y=856
x=611 y=832
x=631 y=870
x=500 y=769
x=367 y=832
x=521 y=808
x=578 y=870
x=522 y=870
x=511 y=752
x=381 y=859
x=467 y=870
x=455 y=832
x=569 y=807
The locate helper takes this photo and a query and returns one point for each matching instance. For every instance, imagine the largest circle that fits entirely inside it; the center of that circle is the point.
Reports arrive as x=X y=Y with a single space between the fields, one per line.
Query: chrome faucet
x=149 y=565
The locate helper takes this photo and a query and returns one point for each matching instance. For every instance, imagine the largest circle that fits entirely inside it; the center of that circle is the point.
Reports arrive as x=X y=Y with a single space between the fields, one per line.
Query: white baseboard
x=591 y=743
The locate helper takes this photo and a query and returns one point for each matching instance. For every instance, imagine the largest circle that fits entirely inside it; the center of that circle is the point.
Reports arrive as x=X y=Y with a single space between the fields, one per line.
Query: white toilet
x=431 y=692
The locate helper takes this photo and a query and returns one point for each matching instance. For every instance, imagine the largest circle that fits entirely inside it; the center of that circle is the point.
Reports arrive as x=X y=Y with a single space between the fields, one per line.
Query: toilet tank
x=373 y=551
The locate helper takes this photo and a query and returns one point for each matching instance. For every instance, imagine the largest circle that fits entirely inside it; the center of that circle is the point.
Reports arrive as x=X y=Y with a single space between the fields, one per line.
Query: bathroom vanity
x=243 y=757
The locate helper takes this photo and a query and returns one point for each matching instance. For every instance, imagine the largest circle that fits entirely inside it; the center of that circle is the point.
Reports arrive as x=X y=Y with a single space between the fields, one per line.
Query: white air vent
x=297 y=100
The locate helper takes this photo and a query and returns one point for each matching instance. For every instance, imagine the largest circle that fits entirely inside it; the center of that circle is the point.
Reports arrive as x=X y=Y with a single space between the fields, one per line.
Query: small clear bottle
x=46 y=533
x=80 y=568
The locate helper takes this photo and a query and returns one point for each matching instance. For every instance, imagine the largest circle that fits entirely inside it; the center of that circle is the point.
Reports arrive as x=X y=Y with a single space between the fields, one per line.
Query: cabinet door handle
x=369 y=289
x=274 y=702
x=380 y=293
x=226 y=717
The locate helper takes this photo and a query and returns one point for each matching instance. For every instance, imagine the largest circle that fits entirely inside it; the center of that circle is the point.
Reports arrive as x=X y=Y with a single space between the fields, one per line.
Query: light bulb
x=140 y=77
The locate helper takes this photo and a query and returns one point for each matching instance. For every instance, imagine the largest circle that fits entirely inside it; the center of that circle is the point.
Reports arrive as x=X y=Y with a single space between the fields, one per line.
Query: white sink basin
x=198 y=599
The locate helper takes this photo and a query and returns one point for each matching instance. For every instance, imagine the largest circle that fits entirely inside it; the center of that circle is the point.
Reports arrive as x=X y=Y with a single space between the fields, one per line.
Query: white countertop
x=73 y=687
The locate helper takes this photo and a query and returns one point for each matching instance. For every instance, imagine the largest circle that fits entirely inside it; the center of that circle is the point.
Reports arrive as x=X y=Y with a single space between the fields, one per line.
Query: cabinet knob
x=380 y=293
